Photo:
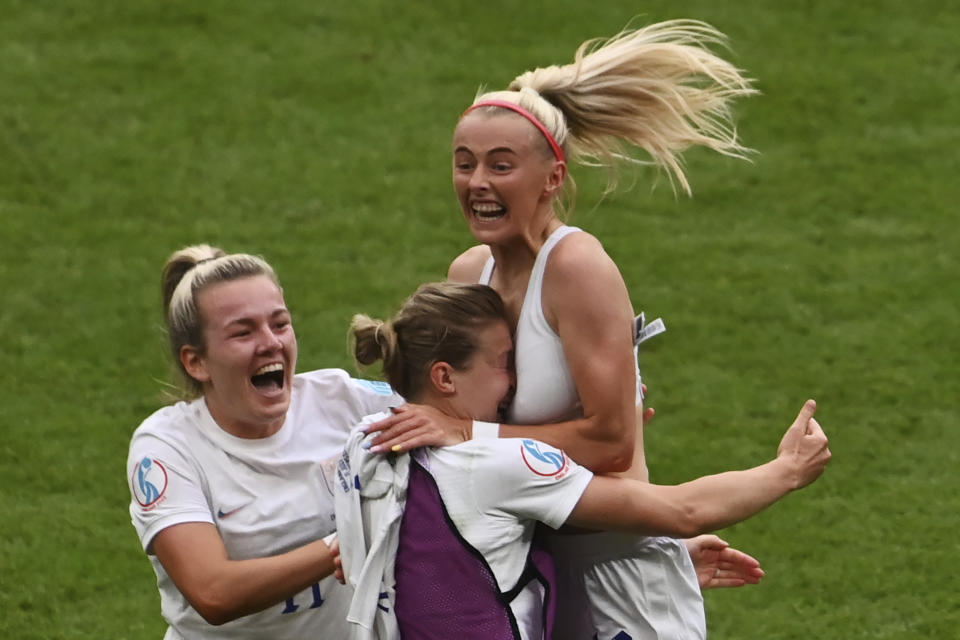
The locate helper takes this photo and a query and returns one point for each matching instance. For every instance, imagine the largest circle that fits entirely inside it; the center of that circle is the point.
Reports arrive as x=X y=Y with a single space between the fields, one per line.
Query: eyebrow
x=247 y=320
x=494 y=150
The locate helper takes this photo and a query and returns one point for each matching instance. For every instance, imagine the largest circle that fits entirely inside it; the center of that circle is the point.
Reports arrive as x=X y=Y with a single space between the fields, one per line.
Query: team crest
x=149 y=482
x=543 y=459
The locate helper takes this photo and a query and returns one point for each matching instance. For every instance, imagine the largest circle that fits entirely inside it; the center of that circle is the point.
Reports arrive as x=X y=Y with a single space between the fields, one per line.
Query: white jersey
x=494 y=491
x=664 y=600
x=265 y=496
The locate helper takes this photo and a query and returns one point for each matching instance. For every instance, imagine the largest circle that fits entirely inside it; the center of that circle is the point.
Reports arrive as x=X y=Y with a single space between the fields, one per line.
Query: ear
x=441 y=378
x=555 y=179
x=193 y=363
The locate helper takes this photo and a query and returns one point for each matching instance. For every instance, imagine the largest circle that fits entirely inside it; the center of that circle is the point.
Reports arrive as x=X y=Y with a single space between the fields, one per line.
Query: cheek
x=505 y=383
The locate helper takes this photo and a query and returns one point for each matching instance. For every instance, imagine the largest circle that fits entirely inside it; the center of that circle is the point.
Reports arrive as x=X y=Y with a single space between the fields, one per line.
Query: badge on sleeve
x=149 y=482
x=378 y=386
x=543 y=459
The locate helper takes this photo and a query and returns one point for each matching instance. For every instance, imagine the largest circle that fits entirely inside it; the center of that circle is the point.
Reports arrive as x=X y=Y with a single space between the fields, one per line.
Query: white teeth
x=487 y=207
x=487 y=210
x=276 y=366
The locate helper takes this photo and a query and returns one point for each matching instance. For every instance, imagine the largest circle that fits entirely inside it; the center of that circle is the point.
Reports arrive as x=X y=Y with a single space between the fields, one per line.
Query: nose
x=269 y=341
x=478 y=179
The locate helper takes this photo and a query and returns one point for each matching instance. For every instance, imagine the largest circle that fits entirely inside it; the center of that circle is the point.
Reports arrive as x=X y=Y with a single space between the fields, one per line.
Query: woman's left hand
x=334 y=545
x=718 y=565
x=417 y=425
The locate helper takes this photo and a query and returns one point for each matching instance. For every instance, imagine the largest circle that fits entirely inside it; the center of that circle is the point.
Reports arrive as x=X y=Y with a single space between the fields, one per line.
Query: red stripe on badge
x=542 y=459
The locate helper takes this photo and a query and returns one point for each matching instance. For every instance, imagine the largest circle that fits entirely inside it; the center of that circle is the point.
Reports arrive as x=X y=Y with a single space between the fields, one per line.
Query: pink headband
x=512 y=106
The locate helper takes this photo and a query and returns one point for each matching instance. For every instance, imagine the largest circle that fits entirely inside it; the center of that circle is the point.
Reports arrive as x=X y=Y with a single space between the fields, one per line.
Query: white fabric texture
x=370 y=497
x=265 y=496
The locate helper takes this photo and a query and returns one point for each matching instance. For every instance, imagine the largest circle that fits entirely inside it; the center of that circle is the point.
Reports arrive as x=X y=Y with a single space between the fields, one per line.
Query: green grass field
x=318 y=135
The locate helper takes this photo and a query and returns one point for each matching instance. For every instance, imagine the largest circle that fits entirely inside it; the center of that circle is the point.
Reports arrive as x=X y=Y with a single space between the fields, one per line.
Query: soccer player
x=443 y=536
x=657 y=90
x=227 y=487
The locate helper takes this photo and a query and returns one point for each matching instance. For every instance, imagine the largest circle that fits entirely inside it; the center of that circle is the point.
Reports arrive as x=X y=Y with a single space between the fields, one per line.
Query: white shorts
x=617 y=586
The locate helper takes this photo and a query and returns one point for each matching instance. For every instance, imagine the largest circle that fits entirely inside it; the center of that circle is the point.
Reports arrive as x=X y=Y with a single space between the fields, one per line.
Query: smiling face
x=505 y=176
x=484 y=386
x=247 y=365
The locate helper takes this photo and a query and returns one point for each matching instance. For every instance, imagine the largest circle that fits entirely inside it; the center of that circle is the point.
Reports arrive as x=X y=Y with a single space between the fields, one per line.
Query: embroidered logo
x=226 y=514
x=149 y=482
x=543 y=459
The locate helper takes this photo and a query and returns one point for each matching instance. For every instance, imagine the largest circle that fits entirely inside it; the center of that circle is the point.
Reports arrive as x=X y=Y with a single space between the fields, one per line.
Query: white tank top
x=545 y=388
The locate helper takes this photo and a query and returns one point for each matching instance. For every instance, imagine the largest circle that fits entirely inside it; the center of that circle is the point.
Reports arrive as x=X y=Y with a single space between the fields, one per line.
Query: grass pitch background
x=318 y=135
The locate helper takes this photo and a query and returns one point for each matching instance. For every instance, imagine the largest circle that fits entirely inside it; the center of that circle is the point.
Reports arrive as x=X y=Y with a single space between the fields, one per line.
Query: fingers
x=806 y=414
x=334 y=546
x=712 y=542
x=413 y=426
x=721 y=582
x=394 y=431
x=734 y=575
x=387 y=423
x=406 y=441
x=731 y=558
x=814 y=428
x=648 y=414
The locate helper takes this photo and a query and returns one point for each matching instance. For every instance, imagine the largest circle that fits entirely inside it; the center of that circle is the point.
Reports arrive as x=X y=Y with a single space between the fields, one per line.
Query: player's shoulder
x=168 y=422
x=577 y=252
x=170 y=433
x=333 y=381
x=514 y=457
x=468 y=266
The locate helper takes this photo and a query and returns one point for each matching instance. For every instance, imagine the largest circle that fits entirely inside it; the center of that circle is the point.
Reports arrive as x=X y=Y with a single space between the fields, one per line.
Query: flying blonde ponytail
x=659 y=89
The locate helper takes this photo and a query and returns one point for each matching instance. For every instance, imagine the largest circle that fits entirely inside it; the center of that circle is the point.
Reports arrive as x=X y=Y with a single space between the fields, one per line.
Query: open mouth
x=487 y=210
x=268 y=377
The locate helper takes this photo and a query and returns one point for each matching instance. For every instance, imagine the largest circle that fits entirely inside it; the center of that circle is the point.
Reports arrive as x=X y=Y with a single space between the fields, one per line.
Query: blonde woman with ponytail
x=641 y=97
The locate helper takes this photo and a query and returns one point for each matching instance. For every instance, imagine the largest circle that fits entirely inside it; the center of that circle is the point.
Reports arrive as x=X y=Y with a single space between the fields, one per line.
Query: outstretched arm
x=711 y=502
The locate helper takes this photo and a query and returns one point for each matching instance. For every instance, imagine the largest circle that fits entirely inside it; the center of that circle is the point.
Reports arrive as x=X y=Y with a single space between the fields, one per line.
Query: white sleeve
x=527 y=479
x=165 y=488
x=375 y=396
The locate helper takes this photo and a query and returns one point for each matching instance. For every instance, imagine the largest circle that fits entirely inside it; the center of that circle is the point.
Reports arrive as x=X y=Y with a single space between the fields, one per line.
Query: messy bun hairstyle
x=438 y=323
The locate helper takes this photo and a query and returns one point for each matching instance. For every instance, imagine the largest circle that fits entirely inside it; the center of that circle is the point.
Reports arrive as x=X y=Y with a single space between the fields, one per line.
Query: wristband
x=483 y=429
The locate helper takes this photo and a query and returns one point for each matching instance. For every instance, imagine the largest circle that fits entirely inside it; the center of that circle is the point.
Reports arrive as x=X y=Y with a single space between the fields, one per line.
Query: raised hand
x=805 y=447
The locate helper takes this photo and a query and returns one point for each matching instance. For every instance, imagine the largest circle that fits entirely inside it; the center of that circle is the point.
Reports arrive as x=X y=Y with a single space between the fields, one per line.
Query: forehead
x=245 y=298
x=496 y=337
x=480 y=131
